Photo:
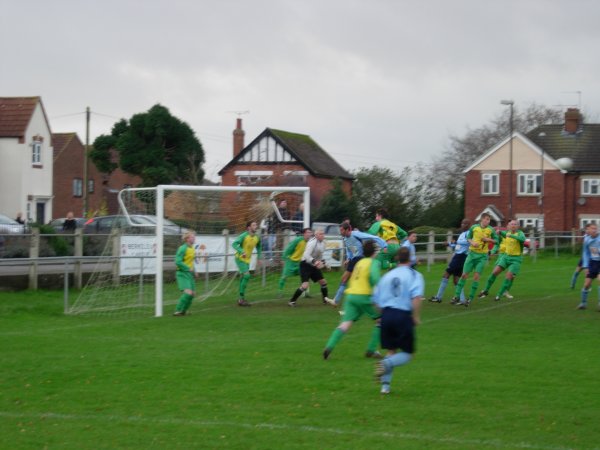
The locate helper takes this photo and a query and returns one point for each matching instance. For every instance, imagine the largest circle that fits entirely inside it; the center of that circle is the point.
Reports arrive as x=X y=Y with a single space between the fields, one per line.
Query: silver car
x=10 y=226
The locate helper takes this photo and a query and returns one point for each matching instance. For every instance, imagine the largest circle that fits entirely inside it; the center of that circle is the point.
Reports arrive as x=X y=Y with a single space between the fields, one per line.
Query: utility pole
x=84 y=191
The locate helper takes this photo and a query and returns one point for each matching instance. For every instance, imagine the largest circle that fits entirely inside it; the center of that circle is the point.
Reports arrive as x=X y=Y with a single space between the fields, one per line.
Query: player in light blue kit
x=398 y=294
x=591 y=261
x=455 y=268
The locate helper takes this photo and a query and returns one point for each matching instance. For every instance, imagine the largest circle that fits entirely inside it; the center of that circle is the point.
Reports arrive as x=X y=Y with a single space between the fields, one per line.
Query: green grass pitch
x=514 y=374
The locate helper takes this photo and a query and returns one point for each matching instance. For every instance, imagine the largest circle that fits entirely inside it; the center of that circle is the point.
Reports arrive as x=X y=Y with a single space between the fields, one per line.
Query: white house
x=26 y=159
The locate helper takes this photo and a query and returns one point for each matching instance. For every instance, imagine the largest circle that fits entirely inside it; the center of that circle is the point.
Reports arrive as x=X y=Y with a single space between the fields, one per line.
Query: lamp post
x=542 y=137
x=510 y=158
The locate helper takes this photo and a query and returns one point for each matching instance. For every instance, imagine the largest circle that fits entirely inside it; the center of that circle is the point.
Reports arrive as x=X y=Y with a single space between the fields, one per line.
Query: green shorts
x=512 y=264
x=387 y=258
x=185 y=280
x=291 y=268
x=356 y=305
x=475 y=262
x=243 y=267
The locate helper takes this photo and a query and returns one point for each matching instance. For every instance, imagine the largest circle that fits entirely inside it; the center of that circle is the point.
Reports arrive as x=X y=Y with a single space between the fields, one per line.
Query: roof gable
x=293 y=148
x=16 y=113
x=521 y=144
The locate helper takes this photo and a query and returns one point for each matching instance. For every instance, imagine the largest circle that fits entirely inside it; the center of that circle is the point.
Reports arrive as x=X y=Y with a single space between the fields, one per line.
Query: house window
x=490 y=183
x=530 y=184
x=590 y=186
x=77 y=187
x=528 y=222
x=583 y=221
x=91 y=186
x=36 y=153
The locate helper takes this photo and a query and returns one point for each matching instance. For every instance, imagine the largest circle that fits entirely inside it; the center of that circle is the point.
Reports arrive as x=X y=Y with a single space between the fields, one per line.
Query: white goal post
x=160 y=217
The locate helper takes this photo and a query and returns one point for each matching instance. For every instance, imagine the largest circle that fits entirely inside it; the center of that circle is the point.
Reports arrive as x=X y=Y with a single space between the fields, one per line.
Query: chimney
x=572 y=120
x=238 y=138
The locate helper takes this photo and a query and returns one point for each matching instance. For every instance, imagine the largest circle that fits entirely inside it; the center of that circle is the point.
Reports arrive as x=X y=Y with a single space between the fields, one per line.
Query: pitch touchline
x=272 y=426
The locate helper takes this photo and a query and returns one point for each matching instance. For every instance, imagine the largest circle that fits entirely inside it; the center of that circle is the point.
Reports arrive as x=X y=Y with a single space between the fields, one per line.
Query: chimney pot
x=238 y=138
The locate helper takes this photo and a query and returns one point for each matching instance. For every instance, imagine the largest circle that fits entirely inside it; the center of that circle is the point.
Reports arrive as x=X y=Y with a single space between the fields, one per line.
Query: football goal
x=136 y=268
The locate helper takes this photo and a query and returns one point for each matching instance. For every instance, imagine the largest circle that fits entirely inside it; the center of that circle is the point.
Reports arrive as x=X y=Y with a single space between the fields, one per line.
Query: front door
x=40 y=212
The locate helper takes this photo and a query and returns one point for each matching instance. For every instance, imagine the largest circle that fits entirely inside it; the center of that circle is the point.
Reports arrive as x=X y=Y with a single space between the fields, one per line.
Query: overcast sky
x=374 y=82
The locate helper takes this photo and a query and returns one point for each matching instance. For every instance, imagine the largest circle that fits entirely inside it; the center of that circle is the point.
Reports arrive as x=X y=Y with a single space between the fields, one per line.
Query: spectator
x=70 y=224
x=20 y=218
x=299 y=216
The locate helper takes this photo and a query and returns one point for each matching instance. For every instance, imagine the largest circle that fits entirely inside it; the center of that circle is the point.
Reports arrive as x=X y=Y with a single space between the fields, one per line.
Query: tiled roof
x=311 y=155
x=15 y=114
x=582 y=147
x=306 y=151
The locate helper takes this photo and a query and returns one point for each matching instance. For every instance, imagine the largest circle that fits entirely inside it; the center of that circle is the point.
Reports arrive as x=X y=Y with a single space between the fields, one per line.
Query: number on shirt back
x=396 y=287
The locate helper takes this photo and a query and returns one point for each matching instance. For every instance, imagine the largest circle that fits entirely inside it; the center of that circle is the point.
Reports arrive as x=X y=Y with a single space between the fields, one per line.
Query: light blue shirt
x=462 y=244
x=354 y=242
x=413 y=251
x=398 y=287
x=591 y=250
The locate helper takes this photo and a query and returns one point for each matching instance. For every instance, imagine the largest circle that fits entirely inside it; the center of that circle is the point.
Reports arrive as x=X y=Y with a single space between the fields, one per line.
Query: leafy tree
x=379 y=187
x=336 y=205
x=154 y=145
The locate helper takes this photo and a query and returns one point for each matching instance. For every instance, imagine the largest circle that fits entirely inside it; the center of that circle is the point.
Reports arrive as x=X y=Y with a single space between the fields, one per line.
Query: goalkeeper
x=184 y=263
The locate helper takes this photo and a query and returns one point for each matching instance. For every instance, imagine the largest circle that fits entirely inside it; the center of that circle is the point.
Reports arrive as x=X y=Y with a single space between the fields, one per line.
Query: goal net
x=136 y=269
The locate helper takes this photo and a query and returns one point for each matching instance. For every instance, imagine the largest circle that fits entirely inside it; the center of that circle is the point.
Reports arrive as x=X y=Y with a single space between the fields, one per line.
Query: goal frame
x=160 y=197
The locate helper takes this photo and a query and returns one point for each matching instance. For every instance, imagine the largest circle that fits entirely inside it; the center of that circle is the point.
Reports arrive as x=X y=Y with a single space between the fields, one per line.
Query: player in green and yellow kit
x=184 y=274
x=244 y=245
x=511 y=259
x=389 y=232
x=357 y=296
x=479 y=236
x=292 y=256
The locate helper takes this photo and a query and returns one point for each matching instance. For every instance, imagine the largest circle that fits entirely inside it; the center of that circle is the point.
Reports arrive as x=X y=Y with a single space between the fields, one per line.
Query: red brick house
x=68 y=180
x=281 y=158
x=548 y=178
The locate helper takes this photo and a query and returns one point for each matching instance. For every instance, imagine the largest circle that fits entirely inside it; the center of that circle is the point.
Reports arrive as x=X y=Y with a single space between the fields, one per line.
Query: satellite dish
x=564 y=163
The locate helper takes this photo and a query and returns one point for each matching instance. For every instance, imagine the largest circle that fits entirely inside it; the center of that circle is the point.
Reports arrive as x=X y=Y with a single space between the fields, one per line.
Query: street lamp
x=510 y=158
x=542 y=137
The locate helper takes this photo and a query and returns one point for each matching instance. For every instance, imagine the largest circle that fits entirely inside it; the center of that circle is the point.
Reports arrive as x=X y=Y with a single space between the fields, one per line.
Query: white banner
x=210 y=255
x=137 y=246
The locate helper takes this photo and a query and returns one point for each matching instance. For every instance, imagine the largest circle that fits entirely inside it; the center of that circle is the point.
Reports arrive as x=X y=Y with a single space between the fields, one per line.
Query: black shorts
x=309 y=272
x=397 y=330
x=352 y=263
x=456 y=264
x=593 y=269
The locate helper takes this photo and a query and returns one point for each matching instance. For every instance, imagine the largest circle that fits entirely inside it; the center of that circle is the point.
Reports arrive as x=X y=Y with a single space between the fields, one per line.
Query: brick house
x=282 y=158
x=25 y=159
x=68 y=178
x=548 y=178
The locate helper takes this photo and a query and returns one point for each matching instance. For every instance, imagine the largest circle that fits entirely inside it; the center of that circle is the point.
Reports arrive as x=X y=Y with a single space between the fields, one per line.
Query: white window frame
x=77 y=187
x=529 y=184
x=529 y=222
x=91 y=186
x=487 y=181
x=583 y=220
x=36 y=153
x=590 y=186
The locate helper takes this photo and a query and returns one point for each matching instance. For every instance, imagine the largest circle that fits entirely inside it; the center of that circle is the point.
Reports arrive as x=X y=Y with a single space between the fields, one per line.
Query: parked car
x=57 y=224
x=10 y=226
x=330 y=228
x=104 y=225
